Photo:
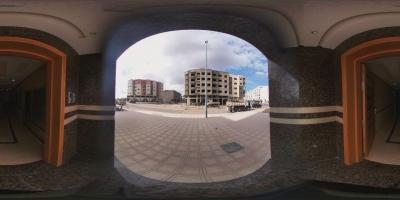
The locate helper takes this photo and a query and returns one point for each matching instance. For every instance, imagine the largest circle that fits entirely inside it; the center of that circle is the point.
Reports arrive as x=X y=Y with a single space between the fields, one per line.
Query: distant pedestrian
x=227 y=108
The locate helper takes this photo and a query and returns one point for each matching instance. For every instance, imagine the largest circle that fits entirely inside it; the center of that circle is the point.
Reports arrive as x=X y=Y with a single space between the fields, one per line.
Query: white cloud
x=262 y=73
x=166 y=56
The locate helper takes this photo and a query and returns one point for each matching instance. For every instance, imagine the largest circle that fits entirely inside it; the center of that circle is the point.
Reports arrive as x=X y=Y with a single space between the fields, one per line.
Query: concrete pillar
x=303 y=77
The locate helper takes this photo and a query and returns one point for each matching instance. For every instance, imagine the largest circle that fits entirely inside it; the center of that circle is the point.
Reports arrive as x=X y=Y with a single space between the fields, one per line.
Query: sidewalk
x=189 y=148
x=190 y=114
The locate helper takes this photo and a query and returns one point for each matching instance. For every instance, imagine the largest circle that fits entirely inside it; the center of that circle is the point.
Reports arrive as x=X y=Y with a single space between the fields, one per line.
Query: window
x=203 y=73
x=203 y=79
x=235 y=79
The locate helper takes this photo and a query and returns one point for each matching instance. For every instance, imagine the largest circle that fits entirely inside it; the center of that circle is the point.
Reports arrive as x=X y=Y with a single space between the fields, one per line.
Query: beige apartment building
x=171 y=96
x=144 y=90
x=221 y=86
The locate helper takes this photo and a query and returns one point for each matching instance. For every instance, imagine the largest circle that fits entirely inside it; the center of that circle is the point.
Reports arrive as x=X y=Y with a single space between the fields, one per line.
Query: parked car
x=121 y=101
x=256 y=105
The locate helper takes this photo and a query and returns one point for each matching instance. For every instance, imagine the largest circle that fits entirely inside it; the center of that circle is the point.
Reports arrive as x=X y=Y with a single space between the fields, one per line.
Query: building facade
x=144 y=90
x=221 y=86
x=171 y=96
x=260 y=93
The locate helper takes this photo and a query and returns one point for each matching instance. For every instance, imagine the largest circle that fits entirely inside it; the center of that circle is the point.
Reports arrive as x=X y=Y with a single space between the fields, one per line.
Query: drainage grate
x=231 y=147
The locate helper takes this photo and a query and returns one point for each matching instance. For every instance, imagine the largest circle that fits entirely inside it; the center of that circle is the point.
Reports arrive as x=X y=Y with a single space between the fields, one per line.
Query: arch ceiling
x=85 y=25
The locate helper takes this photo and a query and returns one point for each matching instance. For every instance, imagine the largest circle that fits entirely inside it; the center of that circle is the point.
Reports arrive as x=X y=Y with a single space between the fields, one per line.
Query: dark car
x=256 y=105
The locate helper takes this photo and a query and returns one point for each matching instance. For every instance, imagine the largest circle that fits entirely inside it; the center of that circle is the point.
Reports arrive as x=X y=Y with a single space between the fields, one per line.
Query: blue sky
x=165 y=57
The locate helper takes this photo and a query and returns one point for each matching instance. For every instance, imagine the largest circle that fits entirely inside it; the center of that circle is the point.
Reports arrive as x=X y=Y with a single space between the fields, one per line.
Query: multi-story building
x=260 y=93
x=171 y=96
x=144 y=90
x=221 y=86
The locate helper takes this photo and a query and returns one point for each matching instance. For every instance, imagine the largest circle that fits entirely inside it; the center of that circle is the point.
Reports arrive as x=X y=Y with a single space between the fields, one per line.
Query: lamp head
x=206 y=41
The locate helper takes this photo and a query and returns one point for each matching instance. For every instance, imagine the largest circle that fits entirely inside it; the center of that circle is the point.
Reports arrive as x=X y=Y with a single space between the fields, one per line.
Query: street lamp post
x=206 y=80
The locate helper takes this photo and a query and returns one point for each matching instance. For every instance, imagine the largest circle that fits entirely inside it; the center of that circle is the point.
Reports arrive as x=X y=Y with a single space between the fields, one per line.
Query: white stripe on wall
x=70 y=108
x=307 y=121
x=69 y=120
x=88 y=107
x=306 y=109
x=89 y=117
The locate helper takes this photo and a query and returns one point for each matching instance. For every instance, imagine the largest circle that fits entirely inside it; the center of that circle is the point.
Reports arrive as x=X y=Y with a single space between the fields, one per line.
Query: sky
x=165 y=57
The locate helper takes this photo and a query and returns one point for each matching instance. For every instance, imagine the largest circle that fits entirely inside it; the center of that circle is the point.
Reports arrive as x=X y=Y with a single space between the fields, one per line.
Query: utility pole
x=206 y=81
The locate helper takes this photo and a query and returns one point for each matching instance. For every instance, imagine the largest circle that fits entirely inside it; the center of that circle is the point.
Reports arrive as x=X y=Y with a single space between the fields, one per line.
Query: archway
x=55 y=89
x=351 y=79
x=135 y=30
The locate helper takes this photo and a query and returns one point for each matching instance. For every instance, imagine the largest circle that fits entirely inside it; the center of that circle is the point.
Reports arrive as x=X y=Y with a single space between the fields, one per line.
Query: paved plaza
x=169 y=144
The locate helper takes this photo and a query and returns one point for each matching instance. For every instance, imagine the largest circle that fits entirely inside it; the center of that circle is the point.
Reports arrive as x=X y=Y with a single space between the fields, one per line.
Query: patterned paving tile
x=188 y=150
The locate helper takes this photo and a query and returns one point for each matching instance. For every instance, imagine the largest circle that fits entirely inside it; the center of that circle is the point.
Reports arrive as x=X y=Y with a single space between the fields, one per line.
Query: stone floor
x=189 y=148
x=24 y=148
x=383 y=150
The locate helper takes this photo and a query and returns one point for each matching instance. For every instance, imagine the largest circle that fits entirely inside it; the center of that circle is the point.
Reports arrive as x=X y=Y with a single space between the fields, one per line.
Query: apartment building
x=260 y=93
x=144 y=90
x=221 y=86
x=171 y=96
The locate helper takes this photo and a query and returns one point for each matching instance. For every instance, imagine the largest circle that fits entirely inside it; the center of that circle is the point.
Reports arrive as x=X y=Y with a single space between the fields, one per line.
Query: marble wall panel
x=318 y=141
x=303 y=142
x=339 y=140
x=302 y=77
x=70 y=140
x=285 y=142
x=96 y=138
x=303 y=115
x=95 y=82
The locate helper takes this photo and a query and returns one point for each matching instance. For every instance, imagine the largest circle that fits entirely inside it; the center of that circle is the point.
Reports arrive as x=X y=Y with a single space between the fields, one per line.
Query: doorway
x=355 y=141
x=55 y=89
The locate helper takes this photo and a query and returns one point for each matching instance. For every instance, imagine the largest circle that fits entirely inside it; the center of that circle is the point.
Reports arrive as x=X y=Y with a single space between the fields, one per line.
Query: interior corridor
x=386 y=146
x=17 y=144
